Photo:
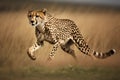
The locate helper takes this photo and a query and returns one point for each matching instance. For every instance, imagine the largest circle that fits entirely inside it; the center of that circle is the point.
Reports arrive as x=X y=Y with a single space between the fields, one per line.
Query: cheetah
x=61 y=33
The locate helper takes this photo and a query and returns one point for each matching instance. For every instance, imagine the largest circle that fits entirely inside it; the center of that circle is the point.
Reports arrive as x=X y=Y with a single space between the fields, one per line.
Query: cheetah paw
x=31 y=55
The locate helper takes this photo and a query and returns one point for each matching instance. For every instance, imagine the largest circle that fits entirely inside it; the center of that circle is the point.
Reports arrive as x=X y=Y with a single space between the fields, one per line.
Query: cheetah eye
x=29 y=15
x=37 y=15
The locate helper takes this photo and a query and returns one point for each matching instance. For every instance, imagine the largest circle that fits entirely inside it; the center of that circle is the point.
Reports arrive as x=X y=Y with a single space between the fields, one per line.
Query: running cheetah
x=60 y=32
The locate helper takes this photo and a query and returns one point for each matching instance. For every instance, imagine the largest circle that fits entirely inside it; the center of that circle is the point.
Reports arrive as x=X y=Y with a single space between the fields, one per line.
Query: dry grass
x=66 y=73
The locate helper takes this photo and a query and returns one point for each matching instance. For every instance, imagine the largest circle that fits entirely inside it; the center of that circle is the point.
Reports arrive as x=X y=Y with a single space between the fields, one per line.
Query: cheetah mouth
x=32 y=24
x=35 y=24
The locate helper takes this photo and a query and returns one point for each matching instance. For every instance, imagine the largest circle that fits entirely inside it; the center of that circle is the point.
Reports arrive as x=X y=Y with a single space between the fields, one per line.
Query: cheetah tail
x=84 y=48
x=101 y=55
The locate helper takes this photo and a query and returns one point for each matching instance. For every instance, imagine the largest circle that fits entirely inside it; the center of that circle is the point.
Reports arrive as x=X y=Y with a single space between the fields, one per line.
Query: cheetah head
x=37 y=17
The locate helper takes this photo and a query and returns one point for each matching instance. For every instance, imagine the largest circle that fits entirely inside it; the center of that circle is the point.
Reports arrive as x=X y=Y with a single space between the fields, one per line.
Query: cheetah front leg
x=31 y=51
x=52 y=54
x=36 y=46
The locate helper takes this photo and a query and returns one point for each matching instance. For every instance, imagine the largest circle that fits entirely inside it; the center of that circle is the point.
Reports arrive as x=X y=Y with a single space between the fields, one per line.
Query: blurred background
x=98 y=21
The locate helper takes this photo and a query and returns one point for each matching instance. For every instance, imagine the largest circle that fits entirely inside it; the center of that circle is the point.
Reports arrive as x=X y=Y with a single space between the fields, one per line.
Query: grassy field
x=100 y=27
x=66 y=73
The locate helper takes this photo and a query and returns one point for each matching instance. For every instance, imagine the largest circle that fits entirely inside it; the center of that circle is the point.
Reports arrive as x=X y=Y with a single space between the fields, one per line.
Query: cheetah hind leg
x=66 y=48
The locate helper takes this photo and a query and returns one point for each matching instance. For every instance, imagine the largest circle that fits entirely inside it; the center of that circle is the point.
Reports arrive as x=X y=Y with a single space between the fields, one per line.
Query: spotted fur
x=60 y=32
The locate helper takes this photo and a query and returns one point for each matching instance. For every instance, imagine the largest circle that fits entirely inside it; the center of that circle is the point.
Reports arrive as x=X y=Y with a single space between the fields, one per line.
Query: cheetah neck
x=49 y=19
x=41 y=27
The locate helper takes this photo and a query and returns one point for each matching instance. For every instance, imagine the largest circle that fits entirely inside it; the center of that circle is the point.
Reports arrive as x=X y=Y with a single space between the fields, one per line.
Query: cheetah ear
x=30 y=11
x=44 y=10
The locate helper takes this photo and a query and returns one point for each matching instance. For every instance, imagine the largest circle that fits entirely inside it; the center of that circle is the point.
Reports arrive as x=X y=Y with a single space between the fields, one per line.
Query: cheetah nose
x=32 y=21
